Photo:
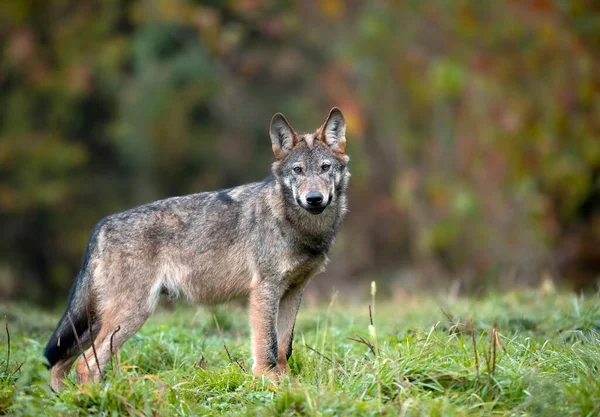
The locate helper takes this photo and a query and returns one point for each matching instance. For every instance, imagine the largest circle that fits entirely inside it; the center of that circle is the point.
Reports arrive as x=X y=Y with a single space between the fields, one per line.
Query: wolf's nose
x=314 y=198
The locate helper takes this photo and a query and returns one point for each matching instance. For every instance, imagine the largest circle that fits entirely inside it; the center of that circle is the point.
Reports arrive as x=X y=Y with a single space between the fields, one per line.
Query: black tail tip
x=55 y=350
x=52 y=353
x=63 y=340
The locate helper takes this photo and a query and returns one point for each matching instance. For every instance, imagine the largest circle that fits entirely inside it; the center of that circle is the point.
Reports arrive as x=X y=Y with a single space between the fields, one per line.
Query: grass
x=537 y=353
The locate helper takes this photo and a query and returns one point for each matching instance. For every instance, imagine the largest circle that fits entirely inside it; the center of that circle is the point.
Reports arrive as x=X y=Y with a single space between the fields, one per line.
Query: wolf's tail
x=63 y=342
x=79 y=313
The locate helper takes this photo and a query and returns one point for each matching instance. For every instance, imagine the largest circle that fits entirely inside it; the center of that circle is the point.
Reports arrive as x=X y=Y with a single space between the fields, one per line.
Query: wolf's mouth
x=315 y=210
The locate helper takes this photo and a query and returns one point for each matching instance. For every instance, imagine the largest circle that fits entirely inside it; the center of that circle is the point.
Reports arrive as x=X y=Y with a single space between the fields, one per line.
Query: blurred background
x=473 y=128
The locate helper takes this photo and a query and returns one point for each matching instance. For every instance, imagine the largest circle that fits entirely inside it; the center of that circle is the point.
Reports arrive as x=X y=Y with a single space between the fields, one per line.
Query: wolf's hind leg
x=118 y=324
x=60 y=371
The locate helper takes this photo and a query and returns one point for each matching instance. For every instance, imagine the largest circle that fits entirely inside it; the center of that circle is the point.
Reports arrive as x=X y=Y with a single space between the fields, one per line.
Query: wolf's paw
x=282 y=368
x=274 y=374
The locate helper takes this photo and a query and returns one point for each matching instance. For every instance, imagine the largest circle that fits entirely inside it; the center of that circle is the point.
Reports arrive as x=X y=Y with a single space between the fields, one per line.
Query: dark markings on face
x=309 y=170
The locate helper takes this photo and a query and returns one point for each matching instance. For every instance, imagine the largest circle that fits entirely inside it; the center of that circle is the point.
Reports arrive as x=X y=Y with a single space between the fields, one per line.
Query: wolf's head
x=311 y=168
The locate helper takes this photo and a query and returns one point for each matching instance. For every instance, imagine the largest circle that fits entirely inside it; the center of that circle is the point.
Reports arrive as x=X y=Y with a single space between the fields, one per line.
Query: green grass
x=547 y=362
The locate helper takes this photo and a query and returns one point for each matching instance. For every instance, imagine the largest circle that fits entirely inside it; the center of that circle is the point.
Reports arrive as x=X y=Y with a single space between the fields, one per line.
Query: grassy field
x=538 y=353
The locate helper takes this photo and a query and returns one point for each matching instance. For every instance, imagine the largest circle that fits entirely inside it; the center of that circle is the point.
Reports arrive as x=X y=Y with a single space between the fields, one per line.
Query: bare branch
x=19 y=366
x=493 y=343
x=365 y=342
x=447 y=315
x=487 y=354
x=112 y=352
x=18 y=369
x=319 y=353
x=225 y=345
x=79 y=342
x=8 y=342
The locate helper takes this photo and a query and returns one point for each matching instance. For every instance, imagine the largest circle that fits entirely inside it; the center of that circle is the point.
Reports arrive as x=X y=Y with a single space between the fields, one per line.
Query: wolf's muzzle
x=315 y=202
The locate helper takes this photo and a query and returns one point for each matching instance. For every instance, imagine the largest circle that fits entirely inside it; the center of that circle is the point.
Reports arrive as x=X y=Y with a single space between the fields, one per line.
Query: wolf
x=263 y=240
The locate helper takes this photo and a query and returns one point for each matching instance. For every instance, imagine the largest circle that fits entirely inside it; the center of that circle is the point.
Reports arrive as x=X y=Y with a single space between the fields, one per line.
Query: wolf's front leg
x=286 y=318
x=264 y=300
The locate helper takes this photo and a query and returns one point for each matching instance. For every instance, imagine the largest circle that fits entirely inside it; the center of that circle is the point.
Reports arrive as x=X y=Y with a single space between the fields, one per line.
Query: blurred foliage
x=473 y=126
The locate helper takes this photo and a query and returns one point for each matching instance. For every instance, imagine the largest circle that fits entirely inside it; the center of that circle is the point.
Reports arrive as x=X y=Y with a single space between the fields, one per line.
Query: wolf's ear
x=283 y=137
x=333 y=131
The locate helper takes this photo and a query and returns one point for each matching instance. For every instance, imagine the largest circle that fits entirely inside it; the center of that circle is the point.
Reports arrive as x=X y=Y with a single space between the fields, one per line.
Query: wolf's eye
x=325 y=167
x=298 y=170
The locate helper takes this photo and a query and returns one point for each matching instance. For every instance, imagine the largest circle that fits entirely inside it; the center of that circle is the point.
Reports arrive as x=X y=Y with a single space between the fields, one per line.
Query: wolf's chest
x=301 y=268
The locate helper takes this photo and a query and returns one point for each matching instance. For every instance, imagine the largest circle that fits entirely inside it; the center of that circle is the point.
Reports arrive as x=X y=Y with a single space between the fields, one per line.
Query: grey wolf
x=262 y=240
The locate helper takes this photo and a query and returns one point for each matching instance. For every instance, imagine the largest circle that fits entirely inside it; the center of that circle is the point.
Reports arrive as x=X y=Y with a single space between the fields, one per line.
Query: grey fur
x=257 y=240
